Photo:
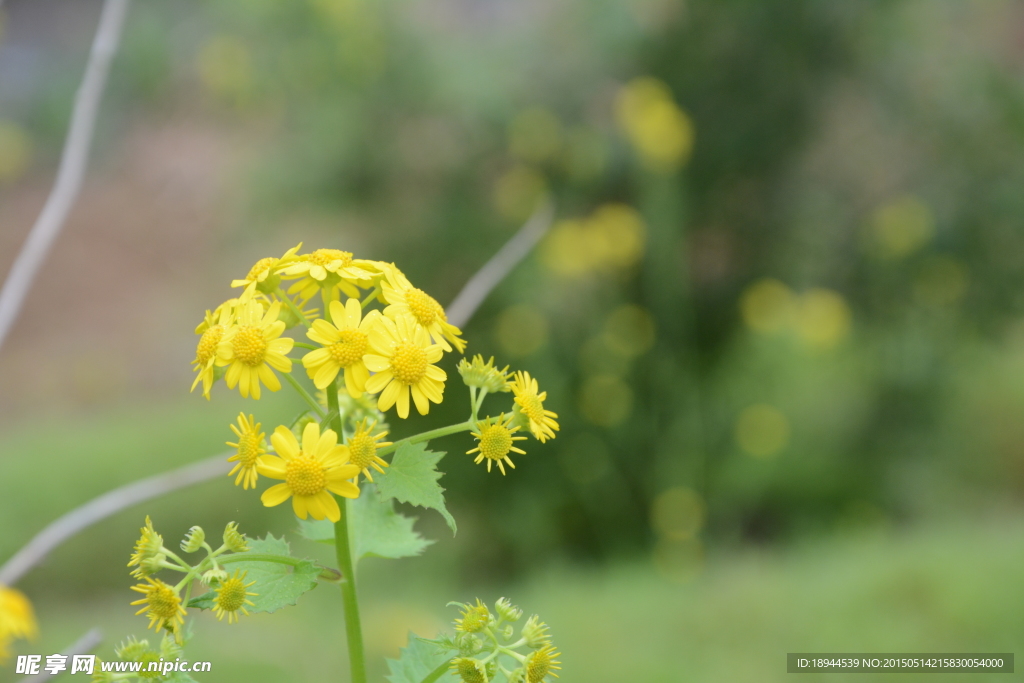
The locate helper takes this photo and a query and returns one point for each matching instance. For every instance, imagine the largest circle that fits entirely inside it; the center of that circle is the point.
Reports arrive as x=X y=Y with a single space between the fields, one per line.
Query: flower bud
x=468 y=644
x=469 y=670
x=194 y=539
x=486 y=376
x=475 y=618
x=132 y=649
x=535 y=632
x=213 y=577
x=234 y=539
x=507 y=611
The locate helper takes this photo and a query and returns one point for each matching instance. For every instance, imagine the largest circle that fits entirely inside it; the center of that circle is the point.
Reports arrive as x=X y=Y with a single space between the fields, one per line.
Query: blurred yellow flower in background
x=521 y=330
x=17 y=619
x=613 y=237
x=822 y=318
x=519 y=191
x=661 y=133
x=535 y=135
x=900 y=227
x=767 y=306
x=226 y=70
x=15 y=151
x=762 y=430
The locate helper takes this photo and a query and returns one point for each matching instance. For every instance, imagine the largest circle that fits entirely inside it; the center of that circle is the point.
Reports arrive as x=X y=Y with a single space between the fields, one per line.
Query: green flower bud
x=132 y=649
x=468 y=644
x=507 y=611
x=486 y=376
x=234 y=539
x=535 y=632
x=214 y=577
x=194 y=539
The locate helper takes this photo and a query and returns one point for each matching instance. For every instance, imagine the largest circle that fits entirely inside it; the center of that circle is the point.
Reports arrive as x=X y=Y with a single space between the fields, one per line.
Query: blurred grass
x=949 y=589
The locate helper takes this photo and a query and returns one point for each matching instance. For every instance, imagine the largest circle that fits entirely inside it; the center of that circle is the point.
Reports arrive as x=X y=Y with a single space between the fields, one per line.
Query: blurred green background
x=780 y=313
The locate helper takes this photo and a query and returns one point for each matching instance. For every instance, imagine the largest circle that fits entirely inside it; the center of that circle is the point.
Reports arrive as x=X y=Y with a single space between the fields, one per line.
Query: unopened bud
x=194 y=539
x=234 y=539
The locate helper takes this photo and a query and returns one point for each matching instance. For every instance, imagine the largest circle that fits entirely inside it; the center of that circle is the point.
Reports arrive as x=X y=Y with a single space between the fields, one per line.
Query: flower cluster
x=161 y=602
x=17 y=620
x=487 y=645
x=375 y=348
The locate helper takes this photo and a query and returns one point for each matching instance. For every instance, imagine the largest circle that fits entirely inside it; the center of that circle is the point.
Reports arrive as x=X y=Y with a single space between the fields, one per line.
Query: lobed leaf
x=418 y=662
x=412 y=478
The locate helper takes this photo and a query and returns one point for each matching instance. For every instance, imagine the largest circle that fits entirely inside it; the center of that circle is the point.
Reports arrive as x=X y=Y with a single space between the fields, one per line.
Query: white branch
x=83 y=645
x=104 y=506
x=72 y=166
x=501 y=264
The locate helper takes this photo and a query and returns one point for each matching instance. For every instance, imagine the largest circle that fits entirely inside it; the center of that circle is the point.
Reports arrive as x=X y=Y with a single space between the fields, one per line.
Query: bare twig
x=83 y=645
x=461 y=310
x=72 y=166
x=102 y=507
x=501 y=264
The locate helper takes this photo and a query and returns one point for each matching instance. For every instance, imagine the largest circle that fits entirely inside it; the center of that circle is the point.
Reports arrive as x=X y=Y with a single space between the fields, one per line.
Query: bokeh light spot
x=941 y=281
x=518 y=192
x=661 y=133
x=535 y=135
x=678 y=561
x=767 y=306
x=629 y=330
x=762 y=430
x=823 y=318
x=15 y=151
x=900 y=227
x=521 y=330
x=605 y=400
x=678 y=513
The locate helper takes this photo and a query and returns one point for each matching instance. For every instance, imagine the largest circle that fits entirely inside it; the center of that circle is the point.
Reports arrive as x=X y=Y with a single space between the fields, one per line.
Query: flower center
x=362 y=449
x=305 y=476
x=207 y=346
x=323 y=257
x=350 y=349
x=539 y=666
x=495 y=442
x=423 y=306
x=249 y=449
x=262 y=266
x=532 y=406
x=249 y=345
x=231 y=596
x=408 y=363
x=163 y=602
x=469 y=671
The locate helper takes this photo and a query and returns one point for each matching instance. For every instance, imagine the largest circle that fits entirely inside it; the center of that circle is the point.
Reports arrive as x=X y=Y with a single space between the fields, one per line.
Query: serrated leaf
x=412 y=478
x=204 y=601
x=277 y=585
x=418 y=662
x=377 y=530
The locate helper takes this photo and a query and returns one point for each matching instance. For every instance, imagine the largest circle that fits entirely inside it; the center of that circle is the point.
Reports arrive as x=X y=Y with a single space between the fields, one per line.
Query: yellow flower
x=362 y=450
x=406 y=300
x=161 y=603
x=531 y=404
x=253 y=346
x=264 y=274
x=311 y=473
x=232 y=597
x=149 y=552
x=474 y=618
x=495 y=442
x=402 y=356
x=345 y=341
x=212 y=330
x=326 y=269
x=542 y=663
x=469 y=670
x=17 y=619
x=250 y=447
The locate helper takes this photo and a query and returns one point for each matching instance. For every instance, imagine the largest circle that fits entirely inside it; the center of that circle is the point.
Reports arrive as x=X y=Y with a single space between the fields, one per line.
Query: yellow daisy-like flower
x=362 y=450
x=17 y=619
x=402 y=356
x=406 y=300
x=148 y=551
x=212 y=330
x=326 y=269
x=264 y=274
x=474 y=618
x=542 y=663
x=469 y=670
x=311 y=473
x=232 y=597
x=250 y=447
x=531 y=404
x=496 y=440
x=345 y=341
x=161 y=603
x=253 y=346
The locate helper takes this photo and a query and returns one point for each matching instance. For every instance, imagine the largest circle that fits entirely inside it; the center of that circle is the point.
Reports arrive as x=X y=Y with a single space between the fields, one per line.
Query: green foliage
x=418 y=662
x=277 y=585
x=412 y=478
x=377 y=530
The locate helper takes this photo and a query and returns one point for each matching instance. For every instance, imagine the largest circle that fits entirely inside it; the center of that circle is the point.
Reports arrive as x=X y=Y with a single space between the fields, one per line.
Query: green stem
x=438 y=672
x=291 y=304
x=343 y=550
x=305 y=394
x=325 y=572
x=427 y=436
x=304 y=345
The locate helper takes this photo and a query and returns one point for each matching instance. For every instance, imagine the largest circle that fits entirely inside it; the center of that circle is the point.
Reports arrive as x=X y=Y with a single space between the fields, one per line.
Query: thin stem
x=304 y=345
x=326 y=573
x=370 y=297
x=427 y=436
x=343 y=550
x=291 y=304
x=305 y=394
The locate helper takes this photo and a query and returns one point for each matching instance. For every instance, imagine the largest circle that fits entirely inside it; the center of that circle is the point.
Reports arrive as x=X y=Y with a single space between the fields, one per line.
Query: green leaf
x=418 y=662
x=179 y=677
x=319 y=530
x=377 y=530
x=277 y=585
x=412 y=478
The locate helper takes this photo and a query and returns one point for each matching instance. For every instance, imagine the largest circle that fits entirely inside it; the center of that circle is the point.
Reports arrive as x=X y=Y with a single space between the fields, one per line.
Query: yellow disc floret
x=311 y=472
x=253 y=348
x=249 y=449
x=542 y=663
x=469 y=670
x=474 y=618
x=496 y=440
x=161 y=603
x=403 y=357
x=345 y=340
x=404 y=299
x=530 y=401
x=362 y=449
x=232 y=597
